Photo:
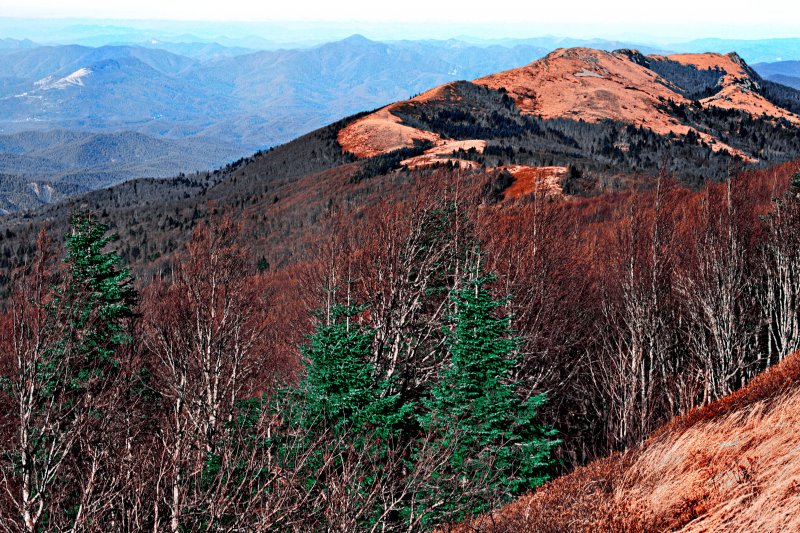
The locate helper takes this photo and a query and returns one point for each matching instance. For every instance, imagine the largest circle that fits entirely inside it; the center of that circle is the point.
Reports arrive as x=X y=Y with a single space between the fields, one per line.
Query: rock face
x=588 y=85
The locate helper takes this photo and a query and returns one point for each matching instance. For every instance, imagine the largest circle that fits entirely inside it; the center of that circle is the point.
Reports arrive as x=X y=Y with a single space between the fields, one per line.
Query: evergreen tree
x=97 y=297
x=98 y=293
x=345 y=402
x=341 y=388
x=67 y=382
x=476 y=408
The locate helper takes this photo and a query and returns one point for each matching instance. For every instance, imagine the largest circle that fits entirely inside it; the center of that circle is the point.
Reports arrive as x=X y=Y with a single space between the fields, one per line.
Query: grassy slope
x=730 y=466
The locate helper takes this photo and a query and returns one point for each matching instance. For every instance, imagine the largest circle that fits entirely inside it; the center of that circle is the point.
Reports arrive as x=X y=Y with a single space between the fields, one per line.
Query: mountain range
x=215 y=104
x=633 y=214
x=595 y=111
x=257 y=99
x=575 y=123
x=785 y=72
x=214 y=110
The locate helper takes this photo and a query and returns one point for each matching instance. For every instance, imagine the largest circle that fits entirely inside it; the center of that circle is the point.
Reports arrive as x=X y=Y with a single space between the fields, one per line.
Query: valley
x=215 y=104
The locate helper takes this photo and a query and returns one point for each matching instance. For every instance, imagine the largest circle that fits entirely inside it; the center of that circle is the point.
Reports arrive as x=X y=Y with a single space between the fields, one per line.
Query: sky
x=671 y=19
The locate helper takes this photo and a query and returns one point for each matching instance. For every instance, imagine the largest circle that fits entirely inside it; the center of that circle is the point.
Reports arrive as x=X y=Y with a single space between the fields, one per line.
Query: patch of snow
x=47 y=193
x=74 y=79
x=43 y=192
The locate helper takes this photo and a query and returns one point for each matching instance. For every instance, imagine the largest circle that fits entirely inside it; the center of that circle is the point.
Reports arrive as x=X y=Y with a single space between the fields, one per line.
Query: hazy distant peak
x=356 y=38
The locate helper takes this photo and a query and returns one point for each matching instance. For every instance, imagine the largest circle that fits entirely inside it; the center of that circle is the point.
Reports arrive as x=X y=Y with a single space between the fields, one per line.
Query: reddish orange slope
x=576 y=83
x=738 y=88
x=590 y=84
x=730 y=466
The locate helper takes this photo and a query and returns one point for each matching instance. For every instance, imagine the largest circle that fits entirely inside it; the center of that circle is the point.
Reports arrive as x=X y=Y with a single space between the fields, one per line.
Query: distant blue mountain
x=222 y=102
x=782 y=68
x=11 y=45
x=253 y=100
x=753 y=51
x=784 y=72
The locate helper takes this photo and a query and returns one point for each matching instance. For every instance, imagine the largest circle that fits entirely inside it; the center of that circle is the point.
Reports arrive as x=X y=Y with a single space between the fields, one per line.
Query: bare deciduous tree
x=203 y=329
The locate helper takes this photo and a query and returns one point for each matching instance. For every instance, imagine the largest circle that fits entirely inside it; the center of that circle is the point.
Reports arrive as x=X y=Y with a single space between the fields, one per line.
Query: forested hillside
x=412 y=317
x=41 y=168
x=601 y=290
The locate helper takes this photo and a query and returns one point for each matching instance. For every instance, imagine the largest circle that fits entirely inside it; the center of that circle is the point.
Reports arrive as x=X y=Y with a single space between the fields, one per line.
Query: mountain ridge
x=596 y=151
x=67 y=162
x=593 y=86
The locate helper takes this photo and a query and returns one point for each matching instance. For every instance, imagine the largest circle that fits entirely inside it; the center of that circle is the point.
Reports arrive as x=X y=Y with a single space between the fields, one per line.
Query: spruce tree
x=475 y=406
x=67 y=382
x=344 y=402
x=341 y=387
x=98 y=292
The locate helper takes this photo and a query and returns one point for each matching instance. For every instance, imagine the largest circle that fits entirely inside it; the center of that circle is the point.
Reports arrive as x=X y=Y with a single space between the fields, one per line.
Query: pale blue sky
x=682 y=19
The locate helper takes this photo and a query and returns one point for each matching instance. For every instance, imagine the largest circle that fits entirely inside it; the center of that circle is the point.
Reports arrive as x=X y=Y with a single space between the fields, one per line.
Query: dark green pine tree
x=99 y=296
x=342 y=389
x=476 y=408
x=345 y=402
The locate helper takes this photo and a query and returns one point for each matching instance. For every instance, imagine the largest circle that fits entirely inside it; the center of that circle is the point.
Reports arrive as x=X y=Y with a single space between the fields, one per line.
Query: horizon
x=113 y=31
x=248 y=37
x=49 y=21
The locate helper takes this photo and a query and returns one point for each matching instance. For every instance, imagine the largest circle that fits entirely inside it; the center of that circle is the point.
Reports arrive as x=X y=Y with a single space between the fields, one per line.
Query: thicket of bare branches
x=632 y=308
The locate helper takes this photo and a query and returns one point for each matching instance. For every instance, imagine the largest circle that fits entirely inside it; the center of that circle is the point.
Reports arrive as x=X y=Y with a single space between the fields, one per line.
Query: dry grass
x=535 y=180
x=730 y=466
x=738 y=472
x=732 y=95
x=379 y=133
x=581 y=501
x=779 y=379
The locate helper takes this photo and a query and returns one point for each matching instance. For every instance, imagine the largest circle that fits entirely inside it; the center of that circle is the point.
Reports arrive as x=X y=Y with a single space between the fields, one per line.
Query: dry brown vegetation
x=729 y=466
x=591 y=84
x=611 y=297
x=583 y=83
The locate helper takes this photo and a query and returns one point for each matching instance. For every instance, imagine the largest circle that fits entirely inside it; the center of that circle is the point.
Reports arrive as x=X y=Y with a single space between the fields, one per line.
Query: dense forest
x=437 y=356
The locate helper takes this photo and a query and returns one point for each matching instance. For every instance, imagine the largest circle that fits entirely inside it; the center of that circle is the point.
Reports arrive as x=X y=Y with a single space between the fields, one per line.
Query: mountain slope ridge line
x=588 y=85
x=726 y=466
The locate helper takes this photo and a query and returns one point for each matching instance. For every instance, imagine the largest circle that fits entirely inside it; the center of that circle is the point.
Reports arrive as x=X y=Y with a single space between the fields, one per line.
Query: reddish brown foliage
x=600 y=292
x=768 y=385
x=693 y=474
